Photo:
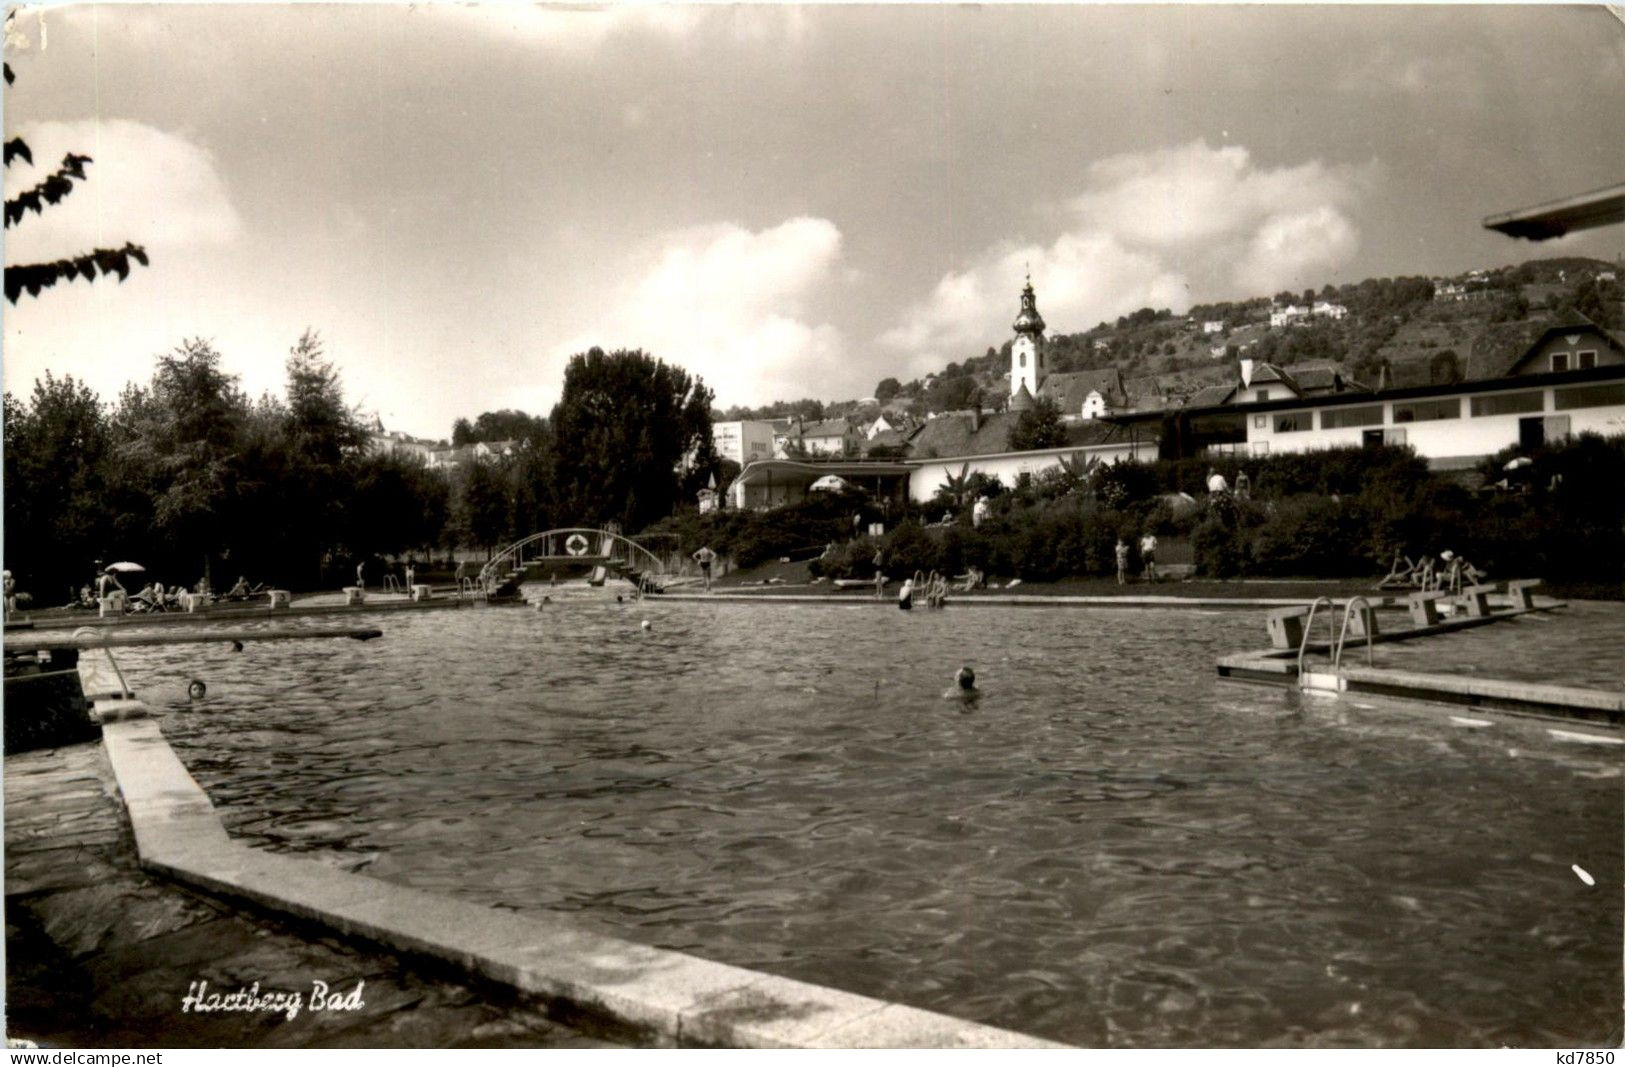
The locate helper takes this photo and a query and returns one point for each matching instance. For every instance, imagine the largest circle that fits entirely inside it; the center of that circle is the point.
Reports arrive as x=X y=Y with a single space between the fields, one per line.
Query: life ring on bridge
x=576 y=545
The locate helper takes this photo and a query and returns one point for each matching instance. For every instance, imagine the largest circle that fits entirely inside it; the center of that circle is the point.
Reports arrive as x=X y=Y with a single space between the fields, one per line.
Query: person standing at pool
x=360 y=574
x=1122 y=562
x=1148 y=556
x=880 y=575
x=705 y=557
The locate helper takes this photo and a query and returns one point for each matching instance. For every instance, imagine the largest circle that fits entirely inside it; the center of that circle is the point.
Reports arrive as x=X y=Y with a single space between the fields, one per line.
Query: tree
x=629 y=431
x=485 y=506
x=504 y=425
x=887 y=389
x=1038 y=427
x=179 y=446
x=56 y=519
x=32 y=278
x=320 y=434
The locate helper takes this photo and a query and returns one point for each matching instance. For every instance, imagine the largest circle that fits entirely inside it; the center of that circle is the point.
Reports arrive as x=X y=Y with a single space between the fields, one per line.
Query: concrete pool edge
x=660 y=996
x=1011 y=600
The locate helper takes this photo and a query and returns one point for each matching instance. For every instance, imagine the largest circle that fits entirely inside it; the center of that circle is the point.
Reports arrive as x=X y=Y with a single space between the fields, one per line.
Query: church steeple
x=1028 y=320
x=1027 y=350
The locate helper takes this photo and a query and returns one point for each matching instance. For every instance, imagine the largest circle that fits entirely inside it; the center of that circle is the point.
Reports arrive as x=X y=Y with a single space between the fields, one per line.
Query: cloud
x=565 y=28
x=154 y=188
x=1166 y=228
x=731 y=305
x=1455 y=75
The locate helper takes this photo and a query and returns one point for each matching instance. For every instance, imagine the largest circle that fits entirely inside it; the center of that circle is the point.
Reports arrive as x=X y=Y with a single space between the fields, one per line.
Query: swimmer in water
x=964 y=687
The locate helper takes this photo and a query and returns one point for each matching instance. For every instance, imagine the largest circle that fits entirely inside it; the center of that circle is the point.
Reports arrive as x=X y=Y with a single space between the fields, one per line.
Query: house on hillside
x=828 y=437
x=451 y=458
x=1213 y=326
x=1327 y=310
x=1564 y=380
x=494 y=449
x=1285 y=316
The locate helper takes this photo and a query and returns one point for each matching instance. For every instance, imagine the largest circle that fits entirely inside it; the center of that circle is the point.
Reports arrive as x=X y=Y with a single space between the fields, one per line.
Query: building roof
x=956 y=433
x=1500 y=347
x=1022 y=400
x=1582 y=326
x=1071 y=389
x=827 y=428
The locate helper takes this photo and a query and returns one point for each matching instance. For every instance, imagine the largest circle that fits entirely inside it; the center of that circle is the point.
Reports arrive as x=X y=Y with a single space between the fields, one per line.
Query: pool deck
x=101 y=954
x=1280 y=666
x=639 y=995
x=1014 y=600
x=315 y=605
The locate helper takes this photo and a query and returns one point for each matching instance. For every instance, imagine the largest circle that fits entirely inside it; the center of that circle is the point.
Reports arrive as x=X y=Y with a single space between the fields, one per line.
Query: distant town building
x=1213 y=326
x=743 y=440
x=1285 y=316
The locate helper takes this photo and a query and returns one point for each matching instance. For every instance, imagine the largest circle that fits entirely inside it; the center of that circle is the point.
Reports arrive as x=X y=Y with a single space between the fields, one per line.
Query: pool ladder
x=125 y=692
x=1311 y=680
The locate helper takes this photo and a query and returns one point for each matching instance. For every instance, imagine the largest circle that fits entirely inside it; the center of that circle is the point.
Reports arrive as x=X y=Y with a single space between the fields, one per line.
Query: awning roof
x=1600 y=207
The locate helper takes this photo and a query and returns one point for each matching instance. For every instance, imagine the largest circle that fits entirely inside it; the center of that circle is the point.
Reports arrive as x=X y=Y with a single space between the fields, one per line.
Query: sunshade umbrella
x=125 y=567
x=1521 y=461
x=829 y=481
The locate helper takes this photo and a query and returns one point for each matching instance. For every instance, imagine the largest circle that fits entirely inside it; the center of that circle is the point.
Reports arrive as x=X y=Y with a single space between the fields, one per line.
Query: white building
x=1285 y=316
x=1571 y=380
x=1213 y=326
x=743 y=441
x=1327 y=310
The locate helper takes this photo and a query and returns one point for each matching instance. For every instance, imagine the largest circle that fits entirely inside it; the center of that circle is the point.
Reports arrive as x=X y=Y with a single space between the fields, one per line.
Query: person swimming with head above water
x=964 y=687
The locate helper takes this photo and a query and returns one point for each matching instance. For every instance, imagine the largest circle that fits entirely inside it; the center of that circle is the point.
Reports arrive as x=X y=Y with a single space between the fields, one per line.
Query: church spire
x=1027 y=350
x=1029 y=320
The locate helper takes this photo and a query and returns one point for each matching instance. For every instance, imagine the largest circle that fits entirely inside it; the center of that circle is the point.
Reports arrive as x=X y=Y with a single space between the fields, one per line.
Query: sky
x=786 y=201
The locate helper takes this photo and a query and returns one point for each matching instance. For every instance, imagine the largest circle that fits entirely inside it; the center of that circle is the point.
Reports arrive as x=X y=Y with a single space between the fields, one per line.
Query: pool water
x=1111 y=847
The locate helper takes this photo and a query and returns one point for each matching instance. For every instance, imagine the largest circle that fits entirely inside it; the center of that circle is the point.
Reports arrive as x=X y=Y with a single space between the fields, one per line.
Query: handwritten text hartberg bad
x=199 y=999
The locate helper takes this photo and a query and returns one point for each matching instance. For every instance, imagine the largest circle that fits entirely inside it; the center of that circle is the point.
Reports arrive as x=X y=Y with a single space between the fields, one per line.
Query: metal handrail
x=1309 y=625
x=87 y=632
x=1342 y=635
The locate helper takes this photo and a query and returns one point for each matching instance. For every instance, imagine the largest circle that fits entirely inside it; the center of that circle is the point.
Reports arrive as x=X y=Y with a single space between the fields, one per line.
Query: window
x=1023 y=357
x=1292 y=423
x=1338 y=418
x=1587 y=359
x=1589 y=396
x=1427 y=410
x=1507 y=404
x=1261 y=394
x=1560 y=361
x=1393 y=437
x=1259 y=422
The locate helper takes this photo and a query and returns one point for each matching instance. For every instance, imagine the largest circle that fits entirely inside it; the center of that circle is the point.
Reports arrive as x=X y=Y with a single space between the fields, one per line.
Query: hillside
x=1404 y=323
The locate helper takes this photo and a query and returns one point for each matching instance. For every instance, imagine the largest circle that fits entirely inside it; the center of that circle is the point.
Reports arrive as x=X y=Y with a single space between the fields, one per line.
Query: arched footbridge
x=617 y=554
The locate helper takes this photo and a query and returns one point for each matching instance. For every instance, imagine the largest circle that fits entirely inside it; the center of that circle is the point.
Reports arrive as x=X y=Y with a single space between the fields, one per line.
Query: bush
x=1310 y=535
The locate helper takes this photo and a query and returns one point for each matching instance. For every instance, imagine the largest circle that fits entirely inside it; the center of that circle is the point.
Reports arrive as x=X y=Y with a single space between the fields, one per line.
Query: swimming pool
x=1111 y=848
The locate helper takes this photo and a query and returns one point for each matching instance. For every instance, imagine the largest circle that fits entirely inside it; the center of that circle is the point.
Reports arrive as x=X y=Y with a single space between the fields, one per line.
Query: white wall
x=930 y=476
x=743 y=441
x=1436 y=438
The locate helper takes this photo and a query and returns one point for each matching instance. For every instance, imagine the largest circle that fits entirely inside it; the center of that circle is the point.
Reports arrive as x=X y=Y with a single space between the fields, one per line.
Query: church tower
x=1027 y=352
